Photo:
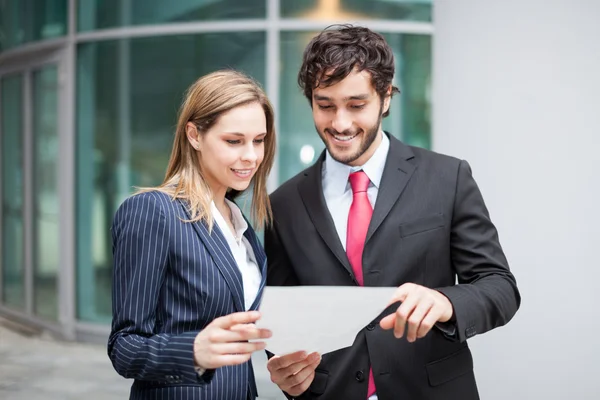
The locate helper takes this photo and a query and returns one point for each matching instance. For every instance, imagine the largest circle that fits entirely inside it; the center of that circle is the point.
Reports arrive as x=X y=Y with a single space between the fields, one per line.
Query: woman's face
x=233 y=148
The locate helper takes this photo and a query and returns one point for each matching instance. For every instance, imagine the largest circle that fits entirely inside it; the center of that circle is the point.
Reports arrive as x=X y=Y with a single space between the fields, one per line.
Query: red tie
x=359 y=218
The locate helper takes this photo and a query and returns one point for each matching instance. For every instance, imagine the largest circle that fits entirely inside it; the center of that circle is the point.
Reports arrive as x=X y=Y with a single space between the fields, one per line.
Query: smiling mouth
x=243 y=172
x=344 y=138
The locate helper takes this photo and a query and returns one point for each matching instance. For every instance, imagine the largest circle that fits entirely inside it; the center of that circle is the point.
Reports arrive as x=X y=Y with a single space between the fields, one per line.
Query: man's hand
x=421 y=308
x=294 y=372
x=225 y=340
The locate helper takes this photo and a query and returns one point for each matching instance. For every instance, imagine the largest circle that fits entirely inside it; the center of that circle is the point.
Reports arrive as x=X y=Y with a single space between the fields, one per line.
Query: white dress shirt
x=241 y=250
x=338 y=191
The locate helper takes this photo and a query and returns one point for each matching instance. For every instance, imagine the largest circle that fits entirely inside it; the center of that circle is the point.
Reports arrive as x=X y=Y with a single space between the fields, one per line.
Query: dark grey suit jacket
x=430 y=226
x=171 y=279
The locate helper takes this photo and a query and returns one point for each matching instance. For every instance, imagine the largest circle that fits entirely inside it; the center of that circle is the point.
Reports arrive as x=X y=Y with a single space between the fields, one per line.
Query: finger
x=283 y=375
x=403 y=313
x=428 y=322
x=281 y=362
x=388 y=322
x=237 y=347
x=303 y=386
x=230 y=320
x=217 y=335
x=415 y=319
x=297 y=380
x=400 y=293
x=312 y=361
x=250 y=332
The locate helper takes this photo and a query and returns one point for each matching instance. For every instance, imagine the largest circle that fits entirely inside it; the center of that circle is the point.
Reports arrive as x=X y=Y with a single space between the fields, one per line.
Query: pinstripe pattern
x=170 y=280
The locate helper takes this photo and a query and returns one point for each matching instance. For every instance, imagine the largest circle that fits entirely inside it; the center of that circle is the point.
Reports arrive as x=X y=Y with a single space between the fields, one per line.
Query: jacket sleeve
x=486 y=295
x=140 y=235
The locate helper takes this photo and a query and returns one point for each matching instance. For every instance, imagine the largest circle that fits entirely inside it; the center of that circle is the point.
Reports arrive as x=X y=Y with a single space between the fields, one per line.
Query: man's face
x=348 y=116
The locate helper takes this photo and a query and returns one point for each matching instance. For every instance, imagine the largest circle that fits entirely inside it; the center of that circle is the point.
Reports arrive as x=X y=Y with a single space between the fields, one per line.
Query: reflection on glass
x=45 y=180
x=13 y=293
x=128 y=94
x=23 y=21
x=296 y=127
x=93 y=15
x=398 y=10
x=409 y=117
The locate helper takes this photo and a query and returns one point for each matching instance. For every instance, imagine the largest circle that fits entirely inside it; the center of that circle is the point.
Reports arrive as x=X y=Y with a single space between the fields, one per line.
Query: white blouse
x=241 y=250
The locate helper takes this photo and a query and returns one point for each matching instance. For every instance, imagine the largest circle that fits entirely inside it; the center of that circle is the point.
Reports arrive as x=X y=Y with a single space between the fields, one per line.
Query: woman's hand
x=225 y=340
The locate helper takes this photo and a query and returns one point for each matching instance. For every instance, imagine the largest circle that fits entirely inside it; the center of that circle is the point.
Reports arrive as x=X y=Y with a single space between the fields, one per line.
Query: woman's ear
x=192 y=135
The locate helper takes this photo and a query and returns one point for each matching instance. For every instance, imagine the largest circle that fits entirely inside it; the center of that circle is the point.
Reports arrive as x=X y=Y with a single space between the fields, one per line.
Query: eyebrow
x=349 y=98
x=241 y=134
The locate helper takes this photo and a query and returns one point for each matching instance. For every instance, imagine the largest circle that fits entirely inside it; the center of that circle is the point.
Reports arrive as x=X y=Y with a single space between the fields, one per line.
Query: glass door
x=30 y=235
x=12 y=247
x=45 y=226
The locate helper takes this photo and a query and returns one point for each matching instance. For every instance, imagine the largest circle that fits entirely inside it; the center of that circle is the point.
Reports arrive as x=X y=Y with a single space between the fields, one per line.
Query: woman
x=188 y=269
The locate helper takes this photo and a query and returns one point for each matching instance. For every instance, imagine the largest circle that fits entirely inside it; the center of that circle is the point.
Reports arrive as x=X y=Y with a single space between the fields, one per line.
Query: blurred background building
x=89 y=91
x=89 y=96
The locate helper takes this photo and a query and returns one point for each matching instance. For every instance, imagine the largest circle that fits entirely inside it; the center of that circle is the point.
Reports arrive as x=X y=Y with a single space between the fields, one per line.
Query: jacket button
x=371 y=326
x=359 y=376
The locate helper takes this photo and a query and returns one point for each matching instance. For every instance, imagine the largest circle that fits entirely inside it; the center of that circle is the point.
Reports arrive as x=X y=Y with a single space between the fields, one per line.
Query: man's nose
x=341 y=121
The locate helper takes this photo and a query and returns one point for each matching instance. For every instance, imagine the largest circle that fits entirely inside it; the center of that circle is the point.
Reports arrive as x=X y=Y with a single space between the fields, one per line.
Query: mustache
x=347 y=132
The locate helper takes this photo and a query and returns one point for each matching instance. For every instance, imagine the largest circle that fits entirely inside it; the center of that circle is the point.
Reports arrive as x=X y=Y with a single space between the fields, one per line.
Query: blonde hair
x=206 y=100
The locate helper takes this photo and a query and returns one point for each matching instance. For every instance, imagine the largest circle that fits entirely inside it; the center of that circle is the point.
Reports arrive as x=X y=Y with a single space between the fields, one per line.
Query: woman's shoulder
x=147 y=201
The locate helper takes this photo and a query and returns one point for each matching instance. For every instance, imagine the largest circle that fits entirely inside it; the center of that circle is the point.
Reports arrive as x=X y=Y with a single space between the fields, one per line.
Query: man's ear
x=387 y=100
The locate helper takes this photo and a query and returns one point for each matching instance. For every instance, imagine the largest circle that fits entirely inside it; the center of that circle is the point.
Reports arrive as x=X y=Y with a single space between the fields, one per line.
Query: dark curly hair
x=335 y=52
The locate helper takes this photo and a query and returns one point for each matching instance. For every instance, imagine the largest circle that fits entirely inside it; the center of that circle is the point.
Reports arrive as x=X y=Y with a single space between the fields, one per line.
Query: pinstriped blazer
x=170 y=280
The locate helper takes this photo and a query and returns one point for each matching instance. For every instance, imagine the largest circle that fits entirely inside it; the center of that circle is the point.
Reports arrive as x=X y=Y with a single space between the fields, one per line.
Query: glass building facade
x=89 y=92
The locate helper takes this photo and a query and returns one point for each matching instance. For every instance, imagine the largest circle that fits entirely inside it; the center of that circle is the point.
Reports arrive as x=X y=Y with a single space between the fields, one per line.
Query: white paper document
x=319 y=318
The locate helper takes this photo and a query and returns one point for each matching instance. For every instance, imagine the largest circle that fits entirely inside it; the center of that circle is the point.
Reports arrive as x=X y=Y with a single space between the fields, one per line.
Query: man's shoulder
x=289 y=188
x=434 y=158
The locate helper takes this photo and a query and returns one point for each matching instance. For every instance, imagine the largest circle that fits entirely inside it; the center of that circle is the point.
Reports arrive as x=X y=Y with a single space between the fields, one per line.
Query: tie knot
x=359 y=181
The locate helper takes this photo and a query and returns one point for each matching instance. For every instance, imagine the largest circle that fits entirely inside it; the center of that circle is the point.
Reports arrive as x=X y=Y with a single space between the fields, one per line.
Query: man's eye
x=357 y=106
x=324 y=107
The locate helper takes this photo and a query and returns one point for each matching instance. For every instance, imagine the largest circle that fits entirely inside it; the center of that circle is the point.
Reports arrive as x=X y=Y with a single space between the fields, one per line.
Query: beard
x=368 y=137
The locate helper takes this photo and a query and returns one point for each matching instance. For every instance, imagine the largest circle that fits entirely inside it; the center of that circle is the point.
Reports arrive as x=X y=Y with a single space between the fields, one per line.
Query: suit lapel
x=261 y=262
x=311 y=192
x=219 y=250
x=396 y=174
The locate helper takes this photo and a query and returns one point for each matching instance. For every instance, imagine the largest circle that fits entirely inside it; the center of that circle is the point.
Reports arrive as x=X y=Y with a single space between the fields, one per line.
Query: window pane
x=12 y=192
x=95 y=15
x=407 y=10
x=299 y=145
x=128 y=95
x=23 y=21
x=409 y=119
x=46 y=222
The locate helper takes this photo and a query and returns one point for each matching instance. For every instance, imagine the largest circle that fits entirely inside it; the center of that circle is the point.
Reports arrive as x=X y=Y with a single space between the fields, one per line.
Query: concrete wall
x=517 y=94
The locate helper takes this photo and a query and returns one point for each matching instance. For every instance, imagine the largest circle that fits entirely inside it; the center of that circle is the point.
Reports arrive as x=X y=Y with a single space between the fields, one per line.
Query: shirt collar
x=238 y=219
x=335 y=173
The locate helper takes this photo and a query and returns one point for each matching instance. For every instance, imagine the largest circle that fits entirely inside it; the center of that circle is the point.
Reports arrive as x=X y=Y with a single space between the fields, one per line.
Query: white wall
x=517 y=94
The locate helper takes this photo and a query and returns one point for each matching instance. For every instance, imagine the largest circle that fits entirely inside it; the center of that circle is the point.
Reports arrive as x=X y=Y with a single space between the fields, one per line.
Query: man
x=373 y=211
